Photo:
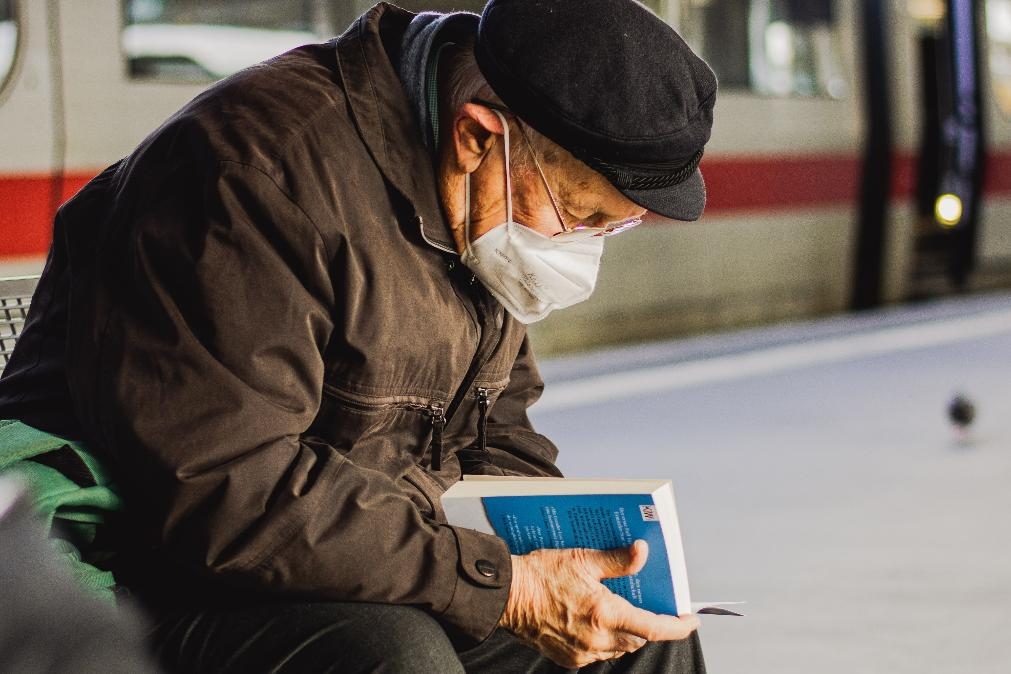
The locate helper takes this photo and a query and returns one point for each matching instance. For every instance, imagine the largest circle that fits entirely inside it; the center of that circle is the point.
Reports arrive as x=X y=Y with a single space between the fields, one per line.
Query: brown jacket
x=265 y=328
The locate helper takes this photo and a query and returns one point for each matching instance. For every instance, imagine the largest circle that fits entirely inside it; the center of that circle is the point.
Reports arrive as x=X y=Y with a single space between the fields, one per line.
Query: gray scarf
x=418 y=69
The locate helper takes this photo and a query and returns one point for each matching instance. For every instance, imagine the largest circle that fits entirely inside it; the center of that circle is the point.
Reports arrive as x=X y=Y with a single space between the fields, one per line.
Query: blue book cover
x=600 y=521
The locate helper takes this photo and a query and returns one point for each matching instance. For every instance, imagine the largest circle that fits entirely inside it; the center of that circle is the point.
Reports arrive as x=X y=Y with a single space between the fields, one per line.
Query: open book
x=530 y=513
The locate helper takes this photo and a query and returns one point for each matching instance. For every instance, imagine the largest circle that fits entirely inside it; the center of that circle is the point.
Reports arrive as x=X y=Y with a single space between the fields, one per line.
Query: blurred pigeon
x=961 y=411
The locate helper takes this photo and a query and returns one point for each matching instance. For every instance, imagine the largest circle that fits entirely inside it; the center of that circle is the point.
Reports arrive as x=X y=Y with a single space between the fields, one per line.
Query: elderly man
x=296 y=314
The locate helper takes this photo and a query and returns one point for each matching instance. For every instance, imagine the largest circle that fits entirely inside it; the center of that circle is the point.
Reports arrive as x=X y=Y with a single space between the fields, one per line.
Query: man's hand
x=558 y=605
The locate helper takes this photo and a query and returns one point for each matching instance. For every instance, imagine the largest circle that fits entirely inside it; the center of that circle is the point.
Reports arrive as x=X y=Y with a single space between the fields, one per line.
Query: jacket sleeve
x=513 y=446
x=210 y=372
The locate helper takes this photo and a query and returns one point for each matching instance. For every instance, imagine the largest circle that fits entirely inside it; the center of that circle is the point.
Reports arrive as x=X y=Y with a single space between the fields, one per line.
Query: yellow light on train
x=927 y=11
x=948 y=210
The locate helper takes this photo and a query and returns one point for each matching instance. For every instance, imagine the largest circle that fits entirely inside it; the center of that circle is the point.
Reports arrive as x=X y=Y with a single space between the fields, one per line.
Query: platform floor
x=819 y=479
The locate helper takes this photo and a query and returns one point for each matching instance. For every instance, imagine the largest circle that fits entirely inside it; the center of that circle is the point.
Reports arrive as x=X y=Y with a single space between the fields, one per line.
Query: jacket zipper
x=483 y=396
x=489 y=339
x=433 y=244
x=438 y=426
x=367 y=403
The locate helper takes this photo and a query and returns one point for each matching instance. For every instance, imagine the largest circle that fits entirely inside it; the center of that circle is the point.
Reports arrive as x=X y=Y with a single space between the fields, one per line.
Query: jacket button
x=486 y=568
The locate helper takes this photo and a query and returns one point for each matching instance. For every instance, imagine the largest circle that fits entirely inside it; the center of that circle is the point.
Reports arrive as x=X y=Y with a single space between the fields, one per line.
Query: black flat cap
x=611 y=83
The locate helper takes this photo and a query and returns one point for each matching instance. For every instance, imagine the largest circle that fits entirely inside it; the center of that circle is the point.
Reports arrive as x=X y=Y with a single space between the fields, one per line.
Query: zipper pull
x=438 y=426
x=482 y=420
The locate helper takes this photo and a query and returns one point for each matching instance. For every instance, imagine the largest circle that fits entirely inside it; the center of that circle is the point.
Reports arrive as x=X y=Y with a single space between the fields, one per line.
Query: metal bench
x=15 y=298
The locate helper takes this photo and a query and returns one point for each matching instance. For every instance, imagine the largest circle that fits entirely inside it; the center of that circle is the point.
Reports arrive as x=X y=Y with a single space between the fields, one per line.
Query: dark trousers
x=350 y=638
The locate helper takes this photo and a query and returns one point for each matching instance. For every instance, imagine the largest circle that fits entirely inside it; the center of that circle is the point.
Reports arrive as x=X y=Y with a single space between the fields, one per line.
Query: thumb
x=619 y=562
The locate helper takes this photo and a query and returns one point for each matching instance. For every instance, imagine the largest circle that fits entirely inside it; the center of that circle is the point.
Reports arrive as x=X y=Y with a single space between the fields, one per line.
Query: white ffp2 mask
x=529 y=273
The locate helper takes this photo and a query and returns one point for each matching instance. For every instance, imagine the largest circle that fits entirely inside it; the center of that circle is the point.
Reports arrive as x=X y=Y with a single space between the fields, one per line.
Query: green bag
x=71 y=491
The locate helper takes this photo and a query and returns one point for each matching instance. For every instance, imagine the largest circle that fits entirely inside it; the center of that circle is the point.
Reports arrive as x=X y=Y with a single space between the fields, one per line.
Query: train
x=860 y=156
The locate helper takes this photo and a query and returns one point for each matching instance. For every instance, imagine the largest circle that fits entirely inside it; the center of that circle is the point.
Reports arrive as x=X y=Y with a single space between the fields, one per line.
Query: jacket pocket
x=382 y=432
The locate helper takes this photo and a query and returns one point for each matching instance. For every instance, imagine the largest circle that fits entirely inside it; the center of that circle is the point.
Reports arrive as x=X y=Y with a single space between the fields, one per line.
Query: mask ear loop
x=466 y=217
x=508 y=184
x=508 y=173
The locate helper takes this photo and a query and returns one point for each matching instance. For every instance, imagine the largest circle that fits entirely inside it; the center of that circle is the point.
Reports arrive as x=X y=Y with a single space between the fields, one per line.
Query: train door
x=963 y=190
x=993 y=249
x=951 y=148
x=31 y=140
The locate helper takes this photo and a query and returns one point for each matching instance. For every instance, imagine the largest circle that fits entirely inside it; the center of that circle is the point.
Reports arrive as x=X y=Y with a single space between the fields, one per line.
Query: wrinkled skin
x=558 y=605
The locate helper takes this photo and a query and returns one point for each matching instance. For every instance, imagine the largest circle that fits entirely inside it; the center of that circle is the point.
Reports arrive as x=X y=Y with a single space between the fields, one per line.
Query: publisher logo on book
x=648 y=513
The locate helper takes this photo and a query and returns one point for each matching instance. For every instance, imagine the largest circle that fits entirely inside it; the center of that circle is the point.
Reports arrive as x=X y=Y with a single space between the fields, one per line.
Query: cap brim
x=684 y=201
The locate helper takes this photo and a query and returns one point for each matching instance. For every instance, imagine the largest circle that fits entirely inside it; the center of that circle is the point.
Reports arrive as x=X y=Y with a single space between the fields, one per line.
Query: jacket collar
x=382 y=113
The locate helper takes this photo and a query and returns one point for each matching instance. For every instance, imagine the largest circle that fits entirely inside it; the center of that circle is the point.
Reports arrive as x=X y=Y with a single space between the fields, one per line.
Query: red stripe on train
x=26 y=210
x=734 y=184
x=764 y=183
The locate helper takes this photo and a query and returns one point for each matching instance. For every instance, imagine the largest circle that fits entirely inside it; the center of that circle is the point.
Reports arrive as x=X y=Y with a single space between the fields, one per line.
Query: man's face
x=554 y=192
x=563 y=195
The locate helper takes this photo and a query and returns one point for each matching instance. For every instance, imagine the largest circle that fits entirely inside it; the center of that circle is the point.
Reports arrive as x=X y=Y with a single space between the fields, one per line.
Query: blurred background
x=789 y=360
x=840 y=127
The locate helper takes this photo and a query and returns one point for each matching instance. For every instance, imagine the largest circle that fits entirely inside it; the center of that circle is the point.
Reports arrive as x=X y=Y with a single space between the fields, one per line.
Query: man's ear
x=475 y=132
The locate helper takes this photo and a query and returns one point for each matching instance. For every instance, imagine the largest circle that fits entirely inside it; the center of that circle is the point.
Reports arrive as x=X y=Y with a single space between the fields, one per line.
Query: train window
x=199 y=41
x=771 y=47
x=998 y=30
x=8 y=39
